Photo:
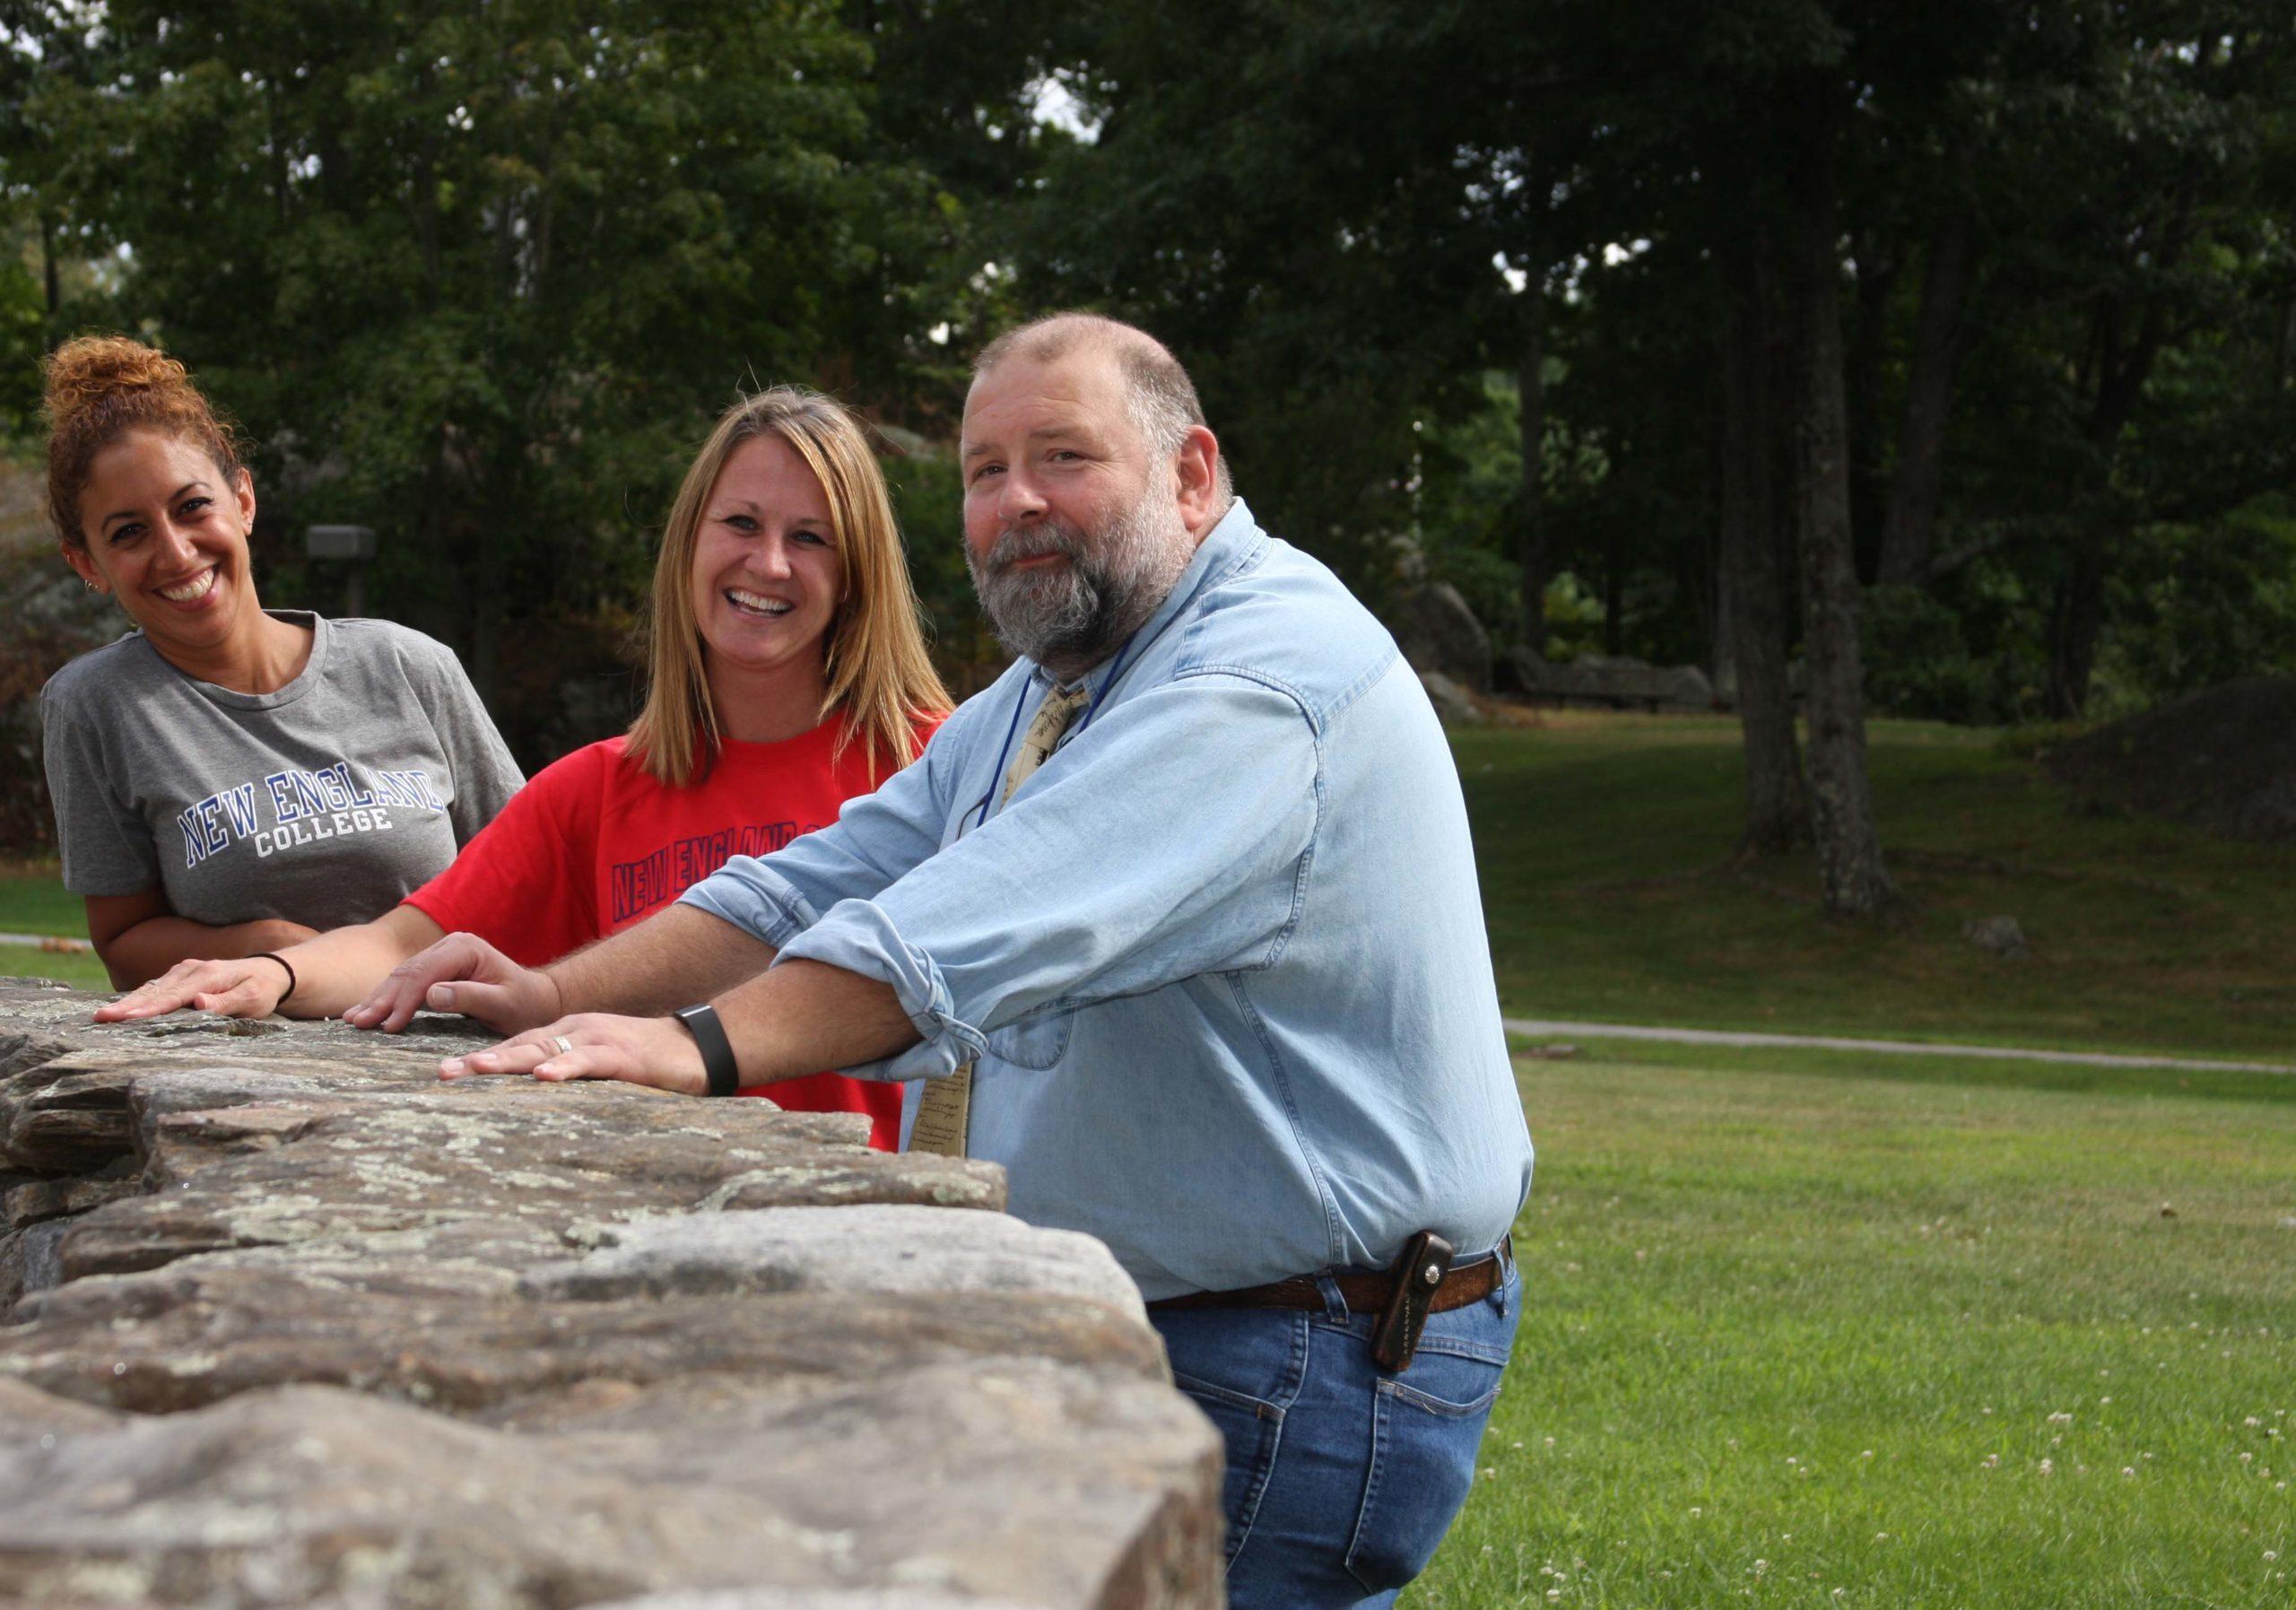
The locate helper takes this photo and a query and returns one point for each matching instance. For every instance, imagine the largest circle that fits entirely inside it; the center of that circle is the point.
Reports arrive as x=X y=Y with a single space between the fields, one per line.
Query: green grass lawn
x=28 y=961
x=1806 y=1330
x=1604 y=843
x=34 y=900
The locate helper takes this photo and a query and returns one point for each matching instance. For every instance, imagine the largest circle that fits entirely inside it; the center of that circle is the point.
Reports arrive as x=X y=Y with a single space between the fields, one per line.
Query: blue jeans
x=1342 y=1478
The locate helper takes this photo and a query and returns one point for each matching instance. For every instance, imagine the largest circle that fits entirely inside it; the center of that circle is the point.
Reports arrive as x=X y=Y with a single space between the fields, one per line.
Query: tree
x=478 y=276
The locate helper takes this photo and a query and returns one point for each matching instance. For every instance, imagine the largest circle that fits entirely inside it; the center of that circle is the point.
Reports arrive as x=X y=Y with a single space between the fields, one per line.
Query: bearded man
x=1179 y=922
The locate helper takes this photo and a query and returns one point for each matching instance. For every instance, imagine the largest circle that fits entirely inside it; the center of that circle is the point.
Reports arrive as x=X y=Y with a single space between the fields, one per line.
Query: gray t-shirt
x=325 y=803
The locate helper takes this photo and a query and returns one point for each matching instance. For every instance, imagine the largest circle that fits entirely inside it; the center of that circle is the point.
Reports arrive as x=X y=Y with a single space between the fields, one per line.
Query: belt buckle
x=1418 y=1275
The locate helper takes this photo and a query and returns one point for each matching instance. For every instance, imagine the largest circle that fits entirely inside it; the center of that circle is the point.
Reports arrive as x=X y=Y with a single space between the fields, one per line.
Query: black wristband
x=717 y=1050
x=275 y=956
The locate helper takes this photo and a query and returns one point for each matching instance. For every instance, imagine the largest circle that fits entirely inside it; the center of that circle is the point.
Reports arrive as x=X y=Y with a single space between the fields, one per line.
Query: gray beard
x=1071 y=617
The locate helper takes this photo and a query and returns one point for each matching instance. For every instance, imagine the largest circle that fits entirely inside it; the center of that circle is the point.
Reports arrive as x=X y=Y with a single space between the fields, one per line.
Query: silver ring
x=563 y=1044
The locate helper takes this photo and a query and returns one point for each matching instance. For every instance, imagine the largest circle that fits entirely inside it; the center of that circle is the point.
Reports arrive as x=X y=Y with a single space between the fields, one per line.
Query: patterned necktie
x=943 y=1111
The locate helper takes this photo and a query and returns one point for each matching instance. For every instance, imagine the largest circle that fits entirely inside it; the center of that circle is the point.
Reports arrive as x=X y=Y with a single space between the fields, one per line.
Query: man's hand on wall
x=657 y=1052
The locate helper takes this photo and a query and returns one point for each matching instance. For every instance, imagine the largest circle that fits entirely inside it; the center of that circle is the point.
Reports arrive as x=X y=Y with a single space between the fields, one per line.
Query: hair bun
x=90 y=370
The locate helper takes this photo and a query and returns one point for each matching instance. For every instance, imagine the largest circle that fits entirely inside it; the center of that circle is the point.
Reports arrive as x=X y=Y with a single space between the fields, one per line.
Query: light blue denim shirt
x=1220 y=963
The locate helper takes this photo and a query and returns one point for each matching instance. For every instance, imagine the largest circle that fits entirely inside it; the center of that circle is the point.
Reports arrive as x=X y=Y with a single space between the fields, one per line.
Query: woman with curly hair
x=228 y=781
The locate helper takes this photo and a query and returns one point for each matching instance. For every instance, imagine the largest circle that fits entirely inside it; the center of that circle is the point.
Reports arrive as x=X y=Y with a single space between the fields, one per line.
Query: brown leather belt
x=1368 y=1292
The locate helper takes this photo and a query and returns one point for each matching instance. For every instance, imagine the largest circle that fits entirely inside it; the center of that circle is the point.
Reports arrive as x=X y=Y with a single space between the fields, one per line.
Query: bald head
x=1157 y=391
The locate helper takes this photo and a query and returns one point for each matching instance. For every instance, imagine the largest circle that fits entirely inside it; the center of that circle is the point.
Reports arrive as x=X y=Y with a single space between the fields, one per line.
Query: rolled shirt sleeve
x=875 y=839
x=1168 y=838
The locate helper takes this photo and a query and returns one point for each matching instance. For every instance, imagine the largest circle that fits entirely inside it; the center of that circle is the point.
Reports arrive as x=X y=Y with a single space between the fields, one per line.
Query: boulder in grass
x=1453 y=703
x=1614 y=683
x=1997 y=936
x=2224 y=759
x=1438 y=632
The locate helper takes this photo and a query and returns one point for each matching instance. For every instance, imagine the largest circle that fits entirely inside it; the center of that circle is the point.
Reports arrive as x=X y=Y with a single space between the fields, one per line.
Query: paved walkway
x=1540 y=1028
x=53 y=940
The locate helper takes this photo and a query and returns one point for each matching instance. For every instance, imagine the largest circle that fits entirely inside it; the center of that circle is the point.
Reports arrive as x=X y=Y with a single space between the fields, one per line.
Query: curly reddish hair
x=100 y=387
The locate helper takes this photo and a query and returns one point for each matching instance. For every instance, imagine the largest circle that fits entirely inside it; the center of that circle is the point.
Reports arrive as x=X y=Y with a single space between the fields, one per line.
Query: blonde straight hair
x=874 y=651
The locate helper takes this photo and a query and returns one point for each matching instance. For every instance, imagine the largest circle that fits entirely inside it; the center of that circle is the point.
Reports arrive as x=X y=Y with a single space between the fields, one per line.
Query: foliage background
x=477 y=276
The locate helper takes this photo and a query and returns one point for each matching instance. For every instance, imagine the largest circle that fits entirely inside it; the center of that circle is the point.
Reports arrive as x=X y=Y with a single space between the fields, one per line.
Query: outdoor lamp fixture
x=354 y=545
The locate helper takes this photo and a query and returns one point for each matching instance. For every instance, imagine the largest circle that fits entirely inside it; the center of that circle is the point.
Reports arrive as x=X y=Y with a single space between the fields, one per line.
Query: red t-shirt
x=592 y=844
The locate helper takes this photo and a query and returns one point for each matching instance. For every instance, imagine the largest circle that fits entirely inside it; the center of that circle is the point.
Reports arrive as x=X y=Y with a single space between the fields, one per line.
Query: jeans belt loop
x=1335 y=1305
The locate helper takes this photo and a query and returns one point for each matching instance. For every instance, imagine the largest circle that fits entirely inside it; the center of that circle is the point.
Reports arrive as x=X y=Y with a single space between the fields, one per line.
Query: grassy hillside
x=1605 y=842
x=33 y=901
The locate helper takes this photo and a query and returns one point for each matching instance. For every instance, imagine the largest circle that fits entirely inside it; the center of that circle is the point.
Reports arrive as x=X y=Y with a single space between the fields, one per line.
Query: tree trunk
x=2121 y=363
x=49 y=284
x=1849 y=849
x=2076 y=620
x=1614 y=592
x=1531 y=389
x=1910 y=528
x=1750 y=590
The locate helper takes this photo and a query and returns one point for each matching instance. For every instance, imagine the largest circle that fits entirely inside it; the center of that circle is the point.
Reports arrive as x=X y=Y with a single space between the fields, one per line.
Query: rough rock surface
x=2223 y=759
x=1612 y=683
x=284 y=1321
x=2001 y=936
x=885 y=1248
x=1454 y=706
x=1438 y=632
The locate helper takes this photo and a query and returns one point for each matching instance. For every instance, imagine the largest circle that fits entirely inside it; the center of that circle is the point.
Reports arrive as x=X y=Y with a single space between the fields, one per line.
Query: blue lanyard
x=1091 y=710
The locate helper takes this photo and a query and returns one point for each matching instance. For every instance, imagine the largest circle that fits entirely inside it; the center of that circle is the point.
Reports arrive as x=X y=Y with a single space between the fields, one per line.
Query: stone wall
x=286 y=1322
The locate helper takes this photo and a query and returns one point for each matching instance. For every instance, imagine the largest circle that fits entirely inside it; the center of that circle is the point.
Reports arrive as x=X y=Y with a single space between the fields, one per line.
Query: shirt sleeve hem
x=753 y=897
x=859 y=937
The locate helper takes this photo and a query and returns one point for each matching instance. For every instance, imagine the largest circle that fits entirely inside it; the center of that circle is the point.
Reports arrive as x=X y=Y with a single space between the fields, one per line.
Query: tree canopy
x=1937 y=358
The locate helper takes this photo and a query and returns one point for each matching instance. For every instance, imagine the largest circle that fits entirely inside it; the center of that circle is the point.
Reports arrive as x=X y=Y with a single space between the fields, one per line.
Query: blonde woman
x=789 y=674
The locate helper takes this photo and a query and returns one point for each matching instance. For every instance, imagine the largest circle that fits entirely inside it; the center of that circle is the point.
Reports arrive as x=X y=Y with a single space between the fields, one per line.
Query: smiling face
x=1074 y=527
x=766 y=580
x=166 y=531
